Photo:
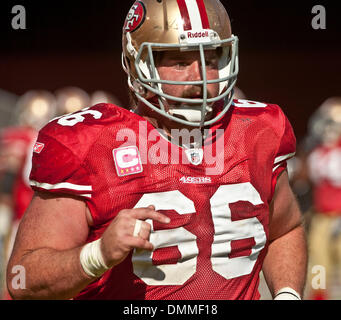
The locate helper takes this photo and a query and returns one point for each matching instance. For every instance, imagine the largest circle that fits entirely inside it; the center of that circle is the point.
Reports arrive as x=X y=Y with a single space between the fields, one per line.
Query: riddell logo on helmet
x=198 y=34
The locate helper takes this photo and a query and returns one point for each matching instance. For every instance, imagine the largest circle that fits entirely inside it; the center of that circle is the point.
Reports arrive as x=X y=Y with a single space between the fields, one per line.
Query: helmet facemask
x=145 y=82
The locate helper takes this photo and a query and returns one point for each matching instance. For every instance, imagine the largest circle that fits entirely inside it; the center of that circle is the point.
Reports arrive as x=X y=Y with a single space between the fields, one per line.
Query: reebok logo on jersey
x=127 y=161
x=38 y=147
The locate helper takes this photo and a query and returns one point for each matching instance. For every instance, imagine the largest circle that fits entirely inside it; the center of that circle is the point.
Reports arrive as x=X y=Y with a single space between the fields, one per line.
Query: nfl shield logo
x=195 y=156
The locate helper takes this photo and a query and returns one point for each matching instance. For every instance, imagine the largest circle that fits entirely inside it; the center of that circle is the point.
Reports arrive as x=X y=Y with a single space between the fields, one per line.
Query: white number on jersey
x=249 y=104
x=225 y=229
x=225 y=232
x=167 y=274
x=72 y=119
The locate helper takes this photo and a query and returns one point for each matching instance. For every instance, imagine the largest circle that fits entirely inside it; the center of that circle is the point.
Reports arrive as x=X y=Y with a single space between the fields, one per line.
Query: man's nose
x=195 y=73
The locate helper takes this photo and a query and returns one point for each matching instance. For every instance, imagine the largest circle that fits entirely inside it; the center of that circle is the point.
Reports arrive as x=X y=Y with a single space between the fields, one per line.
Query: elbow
x=17 y=294
x=16 y=282
x=14 y=287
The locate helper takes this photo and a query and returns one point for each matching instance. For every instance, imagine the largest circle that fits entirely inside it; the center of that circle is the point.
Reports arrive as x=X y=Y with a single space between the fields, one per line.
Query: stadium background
x=282 y=58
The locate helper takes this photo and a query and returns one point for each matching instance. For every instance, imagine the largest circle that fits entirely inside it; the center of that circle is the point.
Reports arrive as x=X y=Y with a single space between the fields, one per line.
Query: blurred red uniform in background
x=324 y=165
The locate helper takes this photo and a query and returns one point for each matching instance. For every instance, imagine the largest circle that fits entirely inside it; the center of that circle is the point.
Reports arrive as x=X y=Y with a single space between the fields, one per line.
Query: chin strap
x=190 y=113
x=187 y=113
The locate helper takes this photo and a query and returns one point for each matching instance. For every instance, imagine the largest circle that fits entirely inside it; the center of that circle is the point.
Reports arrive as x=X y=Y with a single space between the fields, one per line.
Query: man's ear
x=150 y=95
x=137 y=87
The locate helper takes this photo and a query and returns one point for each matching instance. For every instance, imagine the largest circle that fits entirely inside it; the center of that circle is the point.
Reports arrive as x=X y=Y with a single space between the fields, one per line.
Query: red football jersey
x=324 y=164
x=217 y=196
x=18 y=143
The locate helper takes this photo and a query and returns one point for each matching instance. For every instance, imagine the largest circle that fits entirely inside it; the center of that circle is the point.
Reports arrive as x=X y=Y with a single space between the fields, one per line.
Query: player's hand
x=119 y=238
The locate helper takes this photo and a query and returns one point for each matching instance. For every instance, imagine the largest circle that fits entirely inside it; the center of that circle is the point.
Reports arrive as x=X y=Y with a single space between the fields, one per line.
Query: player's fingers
x=146 y=213
x=139 y=243
x=137 y=227
x=144 y=231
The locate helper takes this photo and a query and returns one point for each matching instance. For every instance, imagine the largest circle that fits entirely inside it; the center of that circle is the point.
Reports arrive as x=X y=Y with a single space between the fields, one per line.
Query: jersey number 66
x=226 y=232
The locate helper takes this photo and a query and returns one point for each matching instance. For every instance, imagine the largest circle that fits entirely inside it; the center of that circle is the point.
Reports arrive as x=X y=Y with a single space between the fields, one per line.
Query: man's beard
x=189 y=111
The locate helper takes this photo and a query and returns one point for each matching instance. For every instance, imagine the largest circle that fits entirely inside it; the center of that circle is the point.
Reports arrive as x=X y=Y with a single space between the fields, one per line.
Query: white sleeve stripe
x=85 y=195
x=274 y=169
x=285 y=157
x=62 y=185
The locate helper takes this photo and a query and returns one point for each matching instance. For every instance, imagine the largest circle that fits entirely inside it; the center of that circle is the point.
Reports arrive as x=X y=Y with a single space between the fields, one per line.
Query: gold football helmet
x=162 y=25
x=325 y=123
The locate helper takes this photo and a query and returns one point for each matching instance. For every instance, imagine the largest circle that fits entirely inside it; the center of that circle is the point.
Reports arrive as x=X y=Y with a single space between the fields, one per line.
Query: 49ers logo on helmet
x=135 y=17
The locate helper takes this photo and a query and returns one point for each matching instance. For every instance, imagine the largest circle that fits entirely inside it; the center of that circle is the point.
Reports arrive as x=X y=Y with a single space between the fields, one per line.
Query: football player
x=123 y=210
x=324 y=168
x=31 y=112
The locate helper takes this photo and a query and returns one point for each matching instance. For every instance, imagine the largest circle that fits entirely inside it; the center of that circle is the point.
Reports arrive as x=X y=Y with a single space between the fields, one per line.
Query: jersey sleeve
x=58 y=169
x=286 y=150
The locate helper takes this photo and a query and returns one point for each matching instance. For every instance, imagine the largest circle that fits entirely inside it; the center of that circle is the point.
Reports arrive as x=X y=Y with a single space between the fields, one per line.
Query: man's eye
x=180 y=65
x=211 y=63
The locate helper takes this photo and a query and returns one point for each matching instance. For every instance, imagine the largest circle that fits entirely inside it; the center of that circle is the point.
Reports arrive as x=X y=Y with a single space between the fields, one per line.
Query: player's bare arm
x=51 y=237
x=286 y=261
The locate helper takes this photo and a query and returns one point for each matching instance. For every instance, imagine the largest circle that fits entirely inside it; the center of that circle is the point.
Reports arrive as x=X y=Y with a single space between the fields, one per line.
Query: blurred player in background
x=8 y=101
x=7 y=106
x=71 y=99
x=32 y=110
x=324 y=164
x=101 y=96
